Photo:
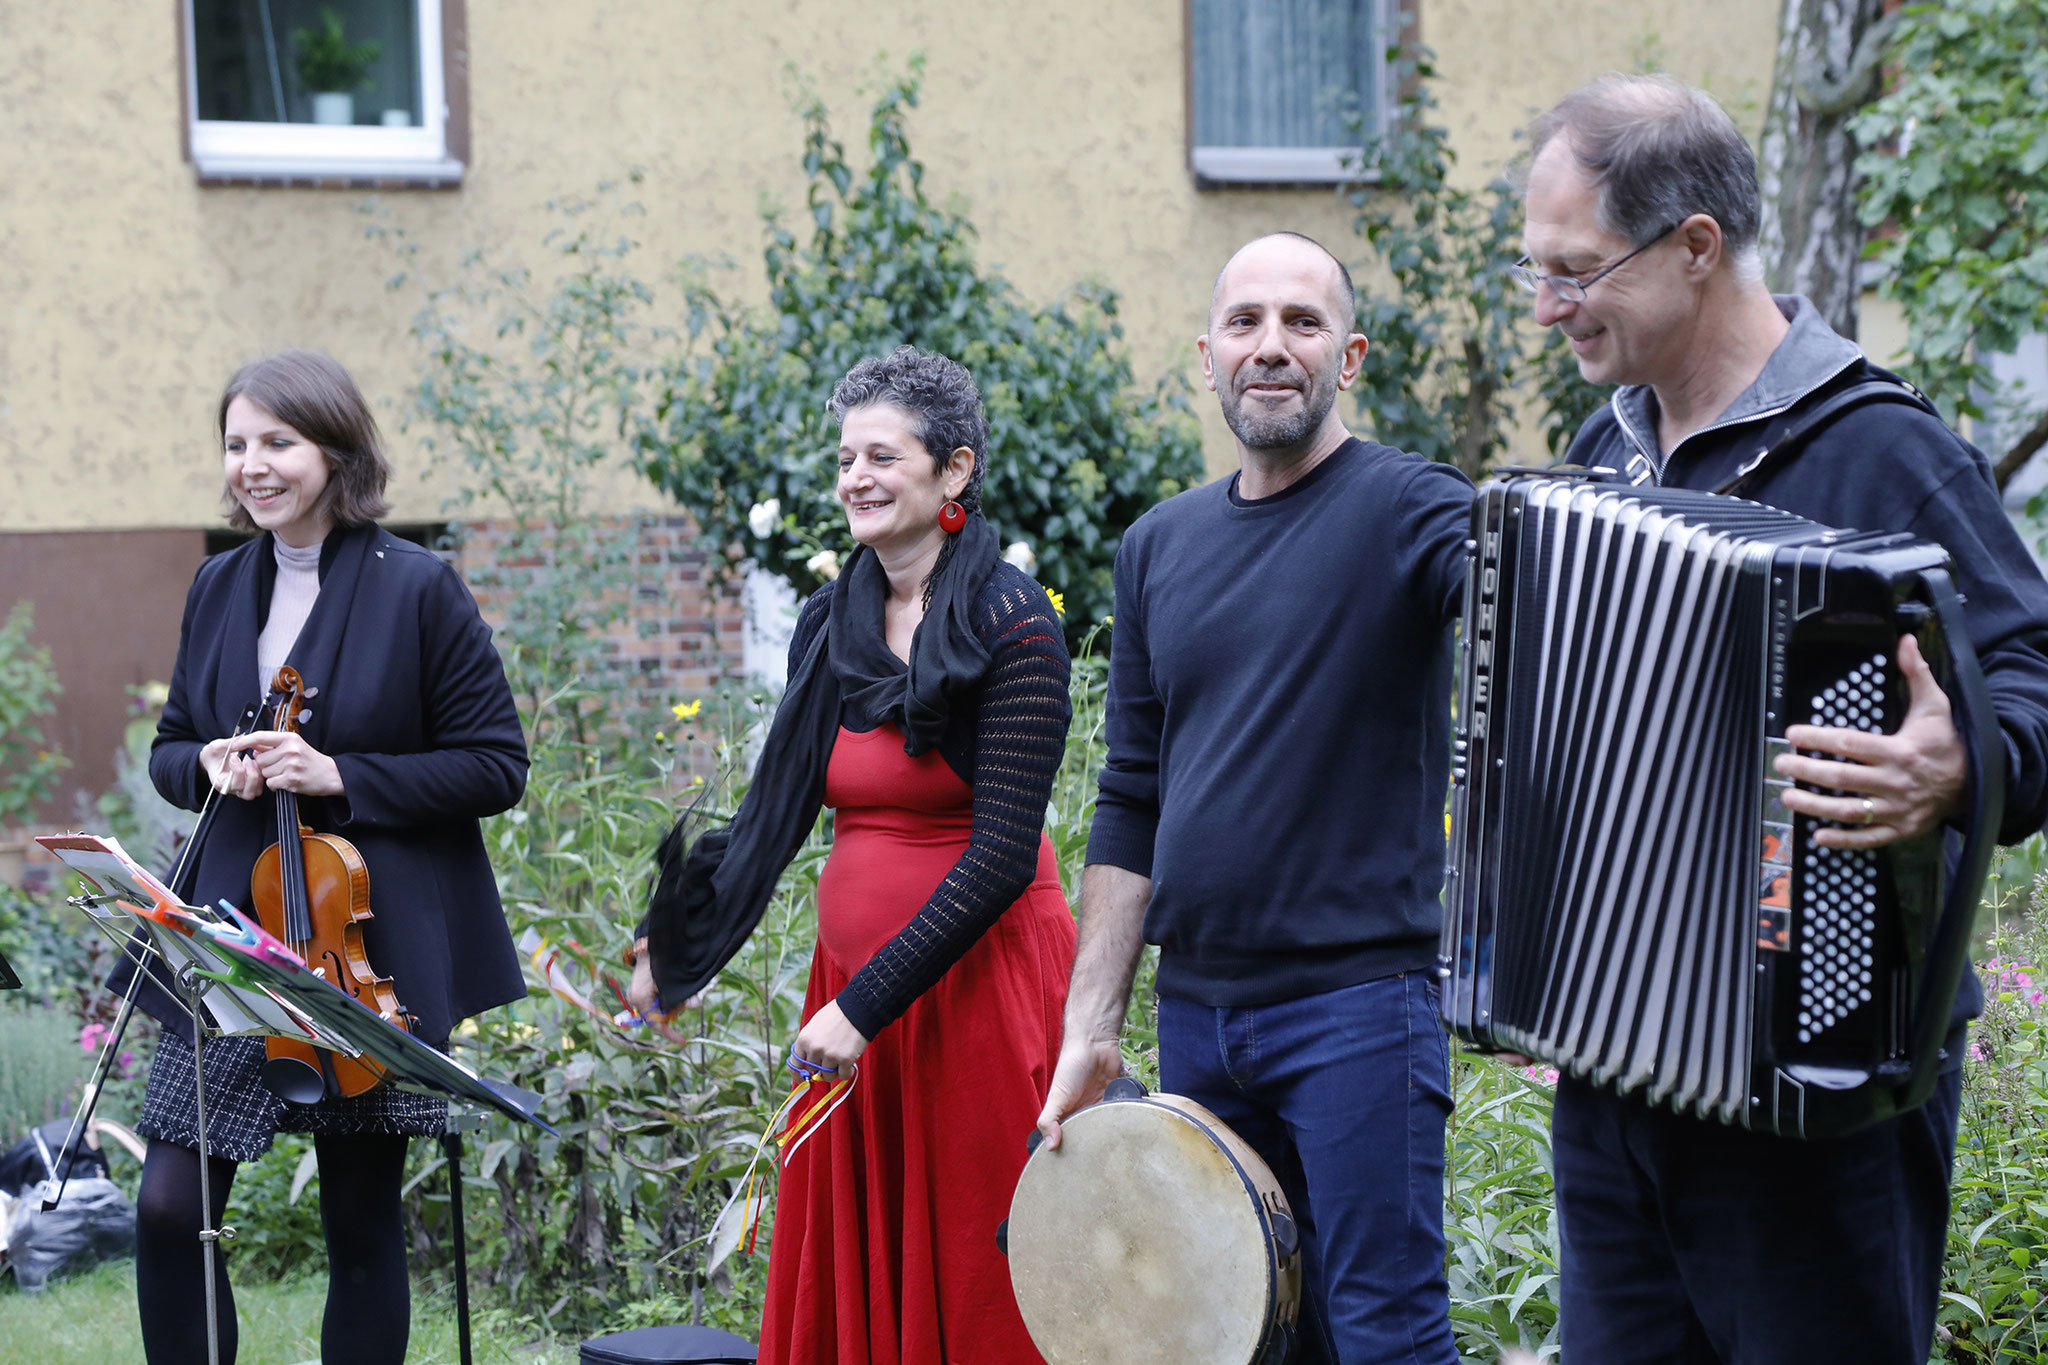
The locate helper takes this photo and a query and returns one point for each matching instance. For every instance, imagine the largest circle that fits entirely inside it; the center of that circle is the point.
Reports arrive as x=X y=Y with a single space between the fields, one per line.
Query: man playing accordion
x=1686 y=1239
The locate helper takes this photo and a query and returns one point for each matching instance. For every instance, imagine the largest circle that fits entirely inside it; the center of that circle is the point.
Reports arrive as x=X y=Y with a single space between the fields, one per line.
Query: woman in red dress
x=928 y=707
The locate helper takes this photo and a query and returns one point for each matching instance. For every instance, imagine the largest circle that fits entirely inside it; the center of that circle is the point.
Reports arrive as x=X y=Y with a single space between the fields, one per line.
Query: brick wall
x=681 y=635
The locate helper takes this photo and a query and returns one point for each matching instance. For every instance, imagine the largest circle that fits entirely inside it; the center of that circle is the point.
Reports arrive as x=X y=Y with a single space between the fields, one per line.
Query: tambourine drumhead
x=1143 y=1239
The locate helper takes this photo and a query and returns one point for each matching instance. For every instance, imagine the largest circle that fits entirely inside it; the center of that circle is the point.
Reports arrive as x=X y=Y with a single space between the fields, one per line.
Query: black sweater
x=1005 y=742
x=1279 y=725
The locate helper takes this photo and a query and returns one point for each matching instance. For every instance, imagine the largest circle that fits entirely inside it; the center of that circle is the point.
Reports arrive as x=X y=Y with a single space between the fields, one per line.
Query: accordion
x=1627 y=898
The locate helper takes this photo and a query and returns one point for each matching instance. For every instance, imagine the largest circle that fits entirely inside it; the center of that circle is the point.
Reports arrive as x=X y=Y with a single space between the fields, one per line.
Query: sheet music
x=411 y=1063
x=107 y=868
x=268 y=989
x=235 y=1012
x=139 y=898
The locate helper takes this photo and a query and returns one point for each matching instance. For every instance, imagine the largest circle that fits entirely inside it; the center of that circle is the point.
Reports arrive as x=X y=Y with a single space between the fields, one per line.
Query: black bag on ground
x=93 y=1222
x=667 y=1346
x=21 y=1166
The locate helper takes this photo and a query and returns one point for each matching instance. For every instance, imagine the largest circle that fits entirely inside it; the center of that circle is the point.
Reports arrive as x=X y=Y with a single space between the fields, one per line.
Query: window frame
x=433 y=154
x=1253 y=167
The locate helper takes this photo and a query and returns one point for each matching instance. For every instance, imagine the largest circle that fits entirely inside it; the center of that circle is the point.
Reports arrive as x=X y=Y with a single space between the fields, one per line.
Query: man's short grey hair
x=938 y=394
x=1660 y=151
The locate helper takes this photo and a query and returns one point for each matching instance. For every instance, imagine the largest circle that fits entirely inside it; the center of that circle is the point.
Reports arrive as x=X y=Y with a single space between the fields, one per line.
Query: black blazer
x=413 y=708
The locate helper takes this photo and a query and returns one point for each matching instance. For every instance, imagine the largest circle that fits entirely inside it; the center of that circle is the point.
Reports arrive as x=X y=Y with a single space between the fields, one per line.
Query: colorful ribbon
x=751 y=1193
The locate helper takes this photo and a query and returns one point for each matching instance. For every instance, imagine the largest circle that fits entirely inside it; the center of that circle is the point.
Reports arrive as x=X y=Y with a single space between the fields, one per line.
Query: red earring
x=952 y=517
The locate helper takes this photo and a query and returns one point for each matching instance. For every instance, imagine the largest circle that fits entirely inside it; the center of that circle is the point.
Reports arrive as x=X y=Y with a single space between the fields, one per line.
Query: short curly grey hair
x=938 y=394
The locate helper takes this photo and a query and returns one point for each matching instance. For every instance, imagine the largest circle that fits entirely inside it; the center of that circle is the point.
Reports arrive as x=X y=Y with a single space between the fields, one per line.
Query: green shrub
x=42 y=1069
x=529 y=383
x=62 y=961
x=1992 y=1306
x=1500 y=1224
x=132 y=810
x=1076 y=450
x=29 y=763
x=1454 y=350
x=274 y=1209
x=604 y=1222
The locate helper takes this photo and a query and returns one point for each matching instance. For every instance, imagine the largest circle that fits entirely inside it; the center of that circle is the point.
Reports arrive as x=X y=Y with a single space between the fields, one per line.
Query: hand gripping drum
x=1154 y=1234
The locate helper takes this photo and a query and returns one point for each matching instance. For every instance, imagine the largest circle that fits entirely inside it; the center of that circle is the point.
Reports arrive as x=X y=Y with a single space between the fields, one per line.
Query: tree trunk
x=1827 y=69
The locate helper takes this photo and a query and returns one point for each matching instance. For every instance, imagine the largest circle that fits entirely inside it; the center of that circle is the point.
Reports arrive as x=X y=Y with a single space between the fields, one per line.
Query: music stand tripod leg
x=208 y=1234
x=451 y=1143
x=81 y=1119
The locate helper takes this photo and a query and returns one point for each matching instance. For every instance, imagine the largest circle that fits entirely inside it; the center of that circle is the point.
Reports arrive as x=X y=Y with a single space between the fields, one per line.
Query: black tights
x=369 y=1300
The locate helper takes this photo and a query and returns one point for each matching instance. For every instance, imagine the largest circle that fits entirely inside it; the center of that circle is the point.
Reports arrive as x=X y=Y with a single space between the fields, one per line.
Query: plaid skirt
x=243 y=1116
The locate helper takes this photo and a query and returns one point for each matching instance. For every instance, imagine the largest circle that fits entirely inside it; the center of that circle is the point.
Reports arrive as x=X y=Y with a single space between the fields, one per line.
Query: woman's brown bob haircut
x=310 y=393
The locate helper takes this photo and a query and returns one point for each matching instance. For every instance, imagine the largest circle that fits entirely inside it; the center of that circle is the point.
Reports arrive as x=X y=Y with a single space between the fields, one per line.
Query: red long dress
x=883 y=1249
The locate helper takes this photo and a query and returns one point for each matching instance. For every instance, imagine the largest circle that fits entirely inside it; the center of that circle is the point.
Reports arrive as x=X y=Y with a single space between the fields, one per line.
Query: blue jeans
x=1344 y=1095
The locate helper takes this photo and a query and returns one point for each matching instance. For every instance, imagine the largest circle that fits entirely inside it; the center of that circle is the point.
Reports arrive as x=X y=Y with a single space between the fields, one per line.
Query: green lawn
x=90 y=1320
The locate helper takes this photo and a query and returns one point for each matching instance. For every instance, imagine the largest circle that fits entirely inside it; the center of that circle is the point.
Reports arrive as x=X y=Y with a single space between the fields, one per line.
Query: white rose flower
x=1020 y=555
x=762 y=516
x=825 y=564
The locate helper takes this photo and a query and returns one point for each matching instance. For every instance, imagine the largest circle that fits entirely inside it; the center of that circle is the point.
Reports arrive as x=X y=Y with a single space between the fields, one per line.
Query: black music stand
x=8 y=980
x=115 y=907
x=235 y=978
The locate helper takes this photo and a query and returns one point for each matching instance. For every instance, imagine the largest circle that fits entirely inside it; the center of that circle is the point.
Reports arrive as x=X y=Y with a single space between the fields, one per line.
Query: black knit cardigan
x=1005 y=742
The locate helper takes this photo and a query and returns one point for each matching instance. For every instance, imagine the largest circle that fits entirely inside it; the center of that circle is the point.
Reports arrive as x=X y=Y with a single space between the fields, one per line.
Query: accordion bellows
x=1627 y=898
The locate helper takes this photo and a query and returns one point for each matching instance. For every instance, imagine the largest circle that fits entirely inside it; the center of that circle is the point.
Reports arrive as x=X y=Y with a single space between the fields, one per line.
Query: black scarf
x=706 y=905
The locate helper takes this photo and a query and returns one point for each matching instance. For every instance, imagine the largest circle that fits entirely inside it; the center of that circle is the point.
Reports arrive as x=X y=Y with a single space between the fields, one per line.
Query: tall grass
x=42 y=1068
x=90 y=1319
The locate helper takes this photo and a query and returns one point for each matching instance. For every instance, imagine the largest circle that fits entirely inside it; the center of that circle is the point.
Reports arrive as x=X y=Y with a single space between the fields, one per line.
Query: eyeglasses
x=1574 y=290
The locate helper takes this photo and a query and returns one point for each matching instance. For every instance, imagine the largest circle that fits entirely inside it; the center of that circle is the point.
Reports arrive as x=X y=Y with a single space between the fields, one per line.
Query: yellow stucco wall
x=131 y=292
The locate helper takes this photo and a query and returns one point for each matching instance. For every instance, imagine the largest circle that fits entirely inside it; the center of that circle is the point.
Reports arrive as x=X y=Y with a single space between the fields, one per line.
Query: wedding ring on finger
x=1869 y=810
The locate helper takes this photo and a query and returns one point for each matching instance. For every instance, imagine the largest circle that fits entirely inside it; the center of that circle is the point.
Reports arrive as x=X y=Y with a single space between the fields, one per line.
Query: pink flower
x=1978 y=1054
x=91 y=1036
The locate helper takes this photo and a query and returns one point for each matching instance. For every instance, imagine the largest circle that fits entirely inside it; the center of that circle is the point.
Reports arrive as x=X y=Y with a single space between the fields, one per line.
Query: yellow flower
x=684 y=710
x=1059 y=601
x=661 y=735
x=1109 y=620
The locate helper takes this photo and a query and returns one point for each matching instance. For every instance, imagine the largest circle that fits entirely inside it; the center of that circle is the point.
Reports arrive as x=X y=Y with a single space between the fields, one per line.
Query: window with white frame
x=1283 y=91
x=321 y=89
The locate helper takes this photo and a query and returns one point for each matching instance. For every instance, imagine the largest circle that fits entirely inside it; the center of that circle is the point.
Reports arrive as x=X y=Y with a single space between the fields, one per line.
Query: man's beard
x=1260 y=430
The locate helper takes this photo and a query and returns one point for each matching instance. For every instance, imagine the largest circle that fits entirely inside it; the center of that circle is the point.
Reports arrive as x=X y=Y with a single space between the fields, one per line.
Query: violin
x=313 y=892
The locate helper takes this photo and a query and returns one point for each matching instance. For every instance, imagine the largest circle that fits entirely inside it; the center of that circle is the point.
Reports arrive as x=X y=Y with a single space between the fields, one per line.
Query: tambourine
x=1154 y=1234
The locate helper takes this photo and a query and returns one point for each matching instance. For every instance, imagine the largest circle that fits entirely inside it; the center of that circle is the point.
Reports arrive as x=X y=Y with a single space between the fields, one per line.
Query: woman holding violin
x=403 y=737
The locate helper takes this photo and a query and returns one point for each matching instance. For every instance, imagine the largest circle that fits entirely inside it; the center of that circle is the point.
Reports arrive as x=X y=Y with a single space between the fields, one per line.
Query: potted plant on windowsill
x=333 y=68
